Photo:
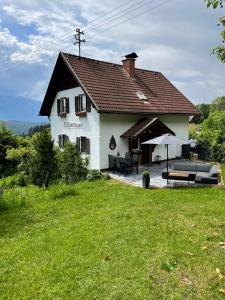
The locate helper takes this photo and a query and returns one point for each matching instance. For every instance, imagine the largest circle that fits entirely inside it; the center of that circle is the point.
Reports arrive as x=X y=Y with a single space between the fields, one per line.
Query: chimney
x=129 y=64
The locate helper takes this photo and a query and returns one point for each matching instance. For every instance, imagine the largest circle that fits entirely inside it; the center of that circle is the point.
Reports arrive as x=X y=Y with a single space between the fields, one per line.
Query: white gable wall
x=89 y=125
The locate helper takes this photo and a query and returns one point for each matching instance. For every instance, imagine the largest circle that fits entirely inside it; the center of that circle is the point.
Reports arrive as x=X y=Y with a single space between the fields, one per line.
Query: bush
x=213 y=135
x=61 y=190
x=94 y=175
x=73 y=167
x=22 y=180
x=43 y=163
x=145 y=174
x=8 y=181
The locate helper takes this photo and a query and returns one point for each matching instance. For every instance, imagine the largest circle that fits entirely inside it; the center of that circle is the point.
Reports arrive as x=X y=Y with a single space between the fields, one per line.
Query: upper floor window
x=82 y=105
x=63 y=107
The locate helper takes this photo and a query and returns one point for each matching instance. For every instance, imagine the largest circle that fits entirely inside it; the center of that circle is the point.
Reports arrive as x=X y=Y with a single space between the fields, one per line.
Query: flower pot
x=146 y=182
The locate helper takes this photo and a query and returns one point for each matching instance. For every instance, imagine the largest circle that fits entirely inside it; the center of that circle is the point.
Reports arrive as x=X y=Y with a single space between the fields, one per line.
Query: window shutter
x=76 y=104
x=87 y=146
x=78 y=143
x=60 y=141
x=88 y=104
x=67 y=105
x=65 y=139
x=58 y=106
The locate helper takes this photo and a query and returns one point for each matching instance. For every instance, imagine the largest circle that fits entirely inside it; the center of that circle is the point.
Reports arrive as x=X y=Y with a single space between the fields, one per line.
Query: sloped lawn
x=104 y=240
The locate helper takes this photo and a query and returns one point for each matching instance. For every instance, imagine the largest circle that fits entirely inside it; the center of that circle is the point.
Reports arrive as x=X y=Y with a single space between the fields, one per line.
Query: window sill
x=81 y=114
x=62 y=115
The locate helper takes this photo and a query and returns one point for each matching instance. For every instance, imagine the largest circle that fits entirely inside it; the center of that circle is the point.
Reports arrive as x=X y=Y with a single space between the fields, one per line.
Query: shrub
x=22 y=180
x=8 y=181
x=145 y=174
x=43 y=163
x=93 y=175
x=73 y=167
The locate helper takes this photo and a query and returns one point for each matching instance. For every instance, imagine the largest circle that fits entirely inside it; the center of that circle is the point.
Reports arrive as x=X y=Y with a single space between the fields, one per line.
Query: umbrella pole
x=167 y=167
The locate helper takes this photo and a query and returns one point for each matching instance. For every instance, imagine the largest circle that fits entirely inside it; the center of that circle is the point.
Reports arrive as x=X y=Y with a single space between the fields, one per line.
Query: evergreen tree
x=72 y=166
x=7 y=141
x=43 y=164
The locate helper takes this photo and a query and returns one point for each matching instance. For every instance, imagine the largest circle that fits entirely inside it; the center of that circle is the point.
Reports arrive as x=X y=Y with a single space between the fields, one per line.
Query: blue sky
x=174 y=38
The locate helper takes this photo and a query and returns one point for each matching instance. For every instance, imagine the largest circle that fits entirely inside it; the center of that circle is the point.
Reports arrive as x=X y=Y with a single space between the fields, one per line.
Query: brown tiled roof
x=112 y=90
x=143 y=125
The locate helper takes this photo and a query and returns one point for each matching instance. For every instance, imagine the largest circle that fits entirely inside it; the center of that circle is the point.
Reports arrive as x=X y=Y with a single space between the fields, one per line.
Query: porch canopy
x=142 y=131
x=153 y=125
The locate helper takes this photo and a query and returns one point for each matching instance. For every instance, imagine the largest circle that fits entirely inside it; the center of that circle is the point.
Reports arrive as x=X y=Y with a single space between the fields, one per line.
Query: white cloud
x=165 y=39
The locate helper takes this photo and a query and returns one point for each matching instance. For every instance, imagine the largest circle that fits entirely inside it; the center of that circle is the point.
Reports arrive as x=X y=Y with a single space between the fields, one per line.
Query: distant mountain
x=20 y=109
x=20 y=127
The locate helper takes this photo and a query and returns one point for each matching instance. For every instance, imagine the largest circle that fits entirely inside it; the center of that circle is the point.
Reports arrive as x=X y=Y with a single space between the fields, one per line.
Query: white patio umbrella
x=166 y=139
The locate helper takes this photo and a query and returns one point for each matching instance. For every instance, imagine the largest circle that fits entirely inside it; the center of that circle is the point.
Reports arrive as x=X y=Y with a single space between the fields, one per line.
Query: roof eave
x=79 y=81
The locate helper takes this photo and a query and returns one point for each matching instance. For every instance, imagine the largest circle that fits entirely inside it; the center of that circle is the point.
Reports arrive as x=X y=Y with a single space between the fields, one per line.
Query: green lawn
x=104 y=240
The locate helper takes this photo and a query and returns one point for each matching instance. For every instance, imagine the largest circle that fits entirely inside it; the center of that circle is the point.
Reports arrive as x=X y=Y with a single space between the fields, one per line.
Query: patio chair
x=111 y=162
x=134 y=161
x=123 y=167
x=127 y=155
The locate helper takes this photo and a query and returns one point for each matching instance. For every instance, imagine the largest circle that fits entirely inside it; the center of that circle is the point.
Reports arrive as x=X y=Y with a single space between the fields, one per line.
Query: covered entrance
x=142 y=131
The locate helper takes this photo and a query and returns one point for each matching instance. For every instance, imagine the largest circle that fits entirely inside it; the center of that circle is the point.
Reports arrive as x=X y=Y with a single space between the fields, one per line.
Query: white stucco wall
x=114 y=124
x=100 y=127
x=117 y=124
x=89 y=125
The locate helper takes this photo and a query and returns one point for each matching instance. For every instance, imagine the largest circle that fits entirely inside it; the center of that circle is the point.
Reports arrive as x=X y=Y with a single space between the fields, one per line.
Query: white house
x=107 y=108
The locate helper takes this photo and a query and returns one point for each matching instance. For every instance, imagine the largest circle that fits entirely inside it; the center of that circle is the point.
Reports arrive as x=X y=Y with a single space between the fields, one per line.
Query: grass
x=104 y=240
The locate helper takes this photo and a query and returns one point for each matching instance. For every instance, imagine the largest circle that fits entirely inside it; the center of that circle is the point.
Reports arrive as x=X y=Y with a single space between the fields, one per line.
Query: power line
x=23 y=57
x=52 y=43
x=141 y=13
x=120 y=14
x=103 y=23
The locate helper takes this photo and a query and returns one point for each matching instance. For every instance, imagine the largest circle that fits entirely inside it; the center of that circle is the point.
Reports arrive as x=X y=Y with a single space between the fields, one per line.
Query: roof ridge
x=107 y=62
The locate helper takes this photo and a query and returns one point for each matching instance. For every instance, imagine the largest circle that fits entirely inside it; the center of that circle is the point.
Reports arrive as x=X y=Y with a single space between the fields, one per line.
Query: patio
x=155 y=174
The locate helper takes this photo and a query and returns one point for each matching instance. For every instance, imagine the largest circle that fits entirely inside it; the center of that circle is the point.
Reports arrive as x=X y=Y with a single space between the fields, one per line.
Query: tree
x=21 y=156
x=219 y=51
x=205 y=110
x=37 y=128
x=43 y=162
x=72 y=165
x=7 y=141
x=213 y=134
x=218 y=104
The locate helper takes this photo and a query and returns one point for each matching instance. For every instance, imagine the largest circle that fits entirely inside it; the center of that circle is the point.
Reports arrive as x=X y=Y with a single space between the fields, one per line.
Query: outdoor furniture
x=157 y=159
x=127 y=155
x=122 y=165
x=199 y=173
x=166 y=139
x=111 y=162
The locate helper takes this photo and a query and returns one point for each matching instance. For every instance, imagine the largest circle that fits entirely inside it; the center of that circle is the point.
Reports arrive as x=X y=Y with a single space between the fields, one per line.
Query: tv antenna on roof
x=78 y=39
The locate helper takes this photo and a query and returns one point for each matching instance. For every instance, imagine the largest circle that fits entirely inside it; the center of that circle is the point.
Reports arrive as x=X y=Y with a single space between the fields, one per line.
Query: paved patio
x=155 y=175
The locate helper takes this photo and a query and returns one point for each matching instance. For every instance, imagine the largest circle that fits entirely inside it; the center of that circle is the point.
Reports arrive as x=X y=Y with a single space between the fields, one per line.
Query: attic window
x=141 y=96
